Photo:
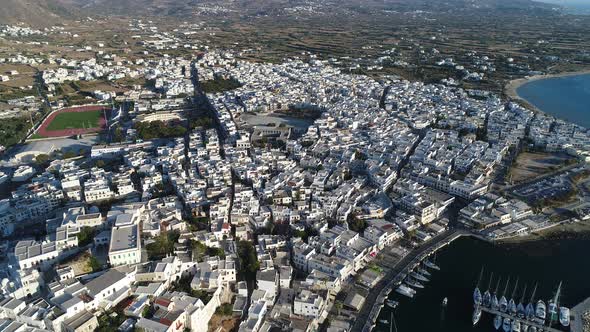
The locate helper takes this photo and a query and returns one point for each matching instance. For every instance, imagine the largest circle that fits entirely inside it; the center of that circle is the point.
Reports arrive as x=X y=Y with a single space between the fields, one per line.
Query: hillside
x=48 y=12
x=36 y=12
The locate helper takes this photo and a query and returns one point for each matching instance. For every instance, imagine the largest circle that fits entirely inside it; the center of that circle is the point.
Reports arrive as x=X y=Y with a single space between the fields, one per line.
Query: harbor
x=460 y=267
x=367 y=318
x=514 y=314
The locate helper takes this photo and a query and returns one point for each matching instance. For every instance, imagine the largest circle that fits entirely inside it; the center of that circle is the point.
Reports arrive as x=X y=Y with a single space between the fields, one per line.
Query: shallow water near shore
x=546 y=262
x=567 y=97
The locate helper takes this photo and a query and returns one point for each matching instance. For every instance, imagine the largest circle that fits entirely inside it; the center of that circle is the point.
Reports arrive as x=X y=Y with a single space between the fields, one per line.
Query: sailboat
x=487 y=296
x=515 y=326
x=476 y=315
x=553 y=305
x=540 y=311
x=507 y=325
x=497 y=322
x=495 y=301
x=564 y=316
x=431 y=265
x=418 y=276
x=520 y=307
x=477 y=299
x=503 y=301
x=511 y=303
x=530 y=308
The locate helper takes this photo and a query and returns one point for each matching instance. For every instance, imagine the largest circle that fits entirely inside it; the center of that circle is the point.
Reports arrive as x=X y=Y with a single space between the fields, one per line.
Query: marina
x=513 y=317
x=447 y=298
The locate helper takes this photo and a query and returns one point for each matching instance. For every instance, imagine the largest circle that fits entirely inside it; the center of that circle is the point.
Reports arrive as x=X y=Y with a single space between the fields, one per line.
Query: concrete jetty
x=521 y=320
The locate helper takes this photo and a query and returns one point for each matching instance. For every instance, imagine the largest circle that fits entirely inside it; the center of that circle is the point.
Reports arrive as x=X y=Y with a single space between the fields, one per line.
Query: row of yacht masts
x=517 y=317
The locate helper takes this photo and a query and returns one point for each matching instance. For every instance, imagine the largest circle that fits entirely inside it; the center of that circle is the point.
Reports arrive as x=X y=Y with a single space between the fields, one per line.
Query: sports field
x=76 y=120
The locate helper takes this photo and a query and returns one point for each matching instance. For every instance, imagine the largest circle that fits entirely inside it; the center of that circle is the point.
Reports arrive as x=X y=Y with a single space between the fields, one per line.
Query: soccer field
x=76 y=120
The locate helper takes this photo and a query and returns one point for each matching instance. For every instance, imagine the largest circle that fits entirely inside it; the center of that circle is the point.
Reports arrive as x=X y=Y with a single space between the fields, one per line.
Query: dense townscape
x=250 y=195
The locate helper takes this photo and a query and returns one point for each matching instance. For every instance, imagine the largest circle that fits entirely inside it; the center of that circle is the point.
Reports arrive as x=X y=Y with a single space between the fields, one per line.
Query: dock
x=521 y=320
x=577 y=313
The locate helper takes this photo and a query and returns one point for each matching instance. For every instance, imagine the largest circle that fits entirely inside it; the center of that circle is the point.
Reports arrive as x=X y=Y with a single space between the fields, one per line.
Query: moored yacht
x=507 y=325
x=477 y=296
x=540 y=311
x=431 y=265
x=418 y=276
x=564 y=316
x=515 y=326
x=405 y=290
x=476 y=315
x=413 y=283
x=497 y=322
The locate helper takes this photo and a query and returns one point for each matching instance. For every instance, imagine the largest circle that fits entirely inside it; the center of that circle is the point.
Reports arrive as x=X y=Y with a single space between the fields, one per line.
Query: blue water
x=567 y=98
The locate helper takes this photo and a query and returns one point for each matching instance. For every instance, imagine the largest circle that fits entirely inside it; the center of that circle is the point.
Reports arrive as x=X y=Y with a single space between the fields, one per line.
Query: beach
x=510 y=90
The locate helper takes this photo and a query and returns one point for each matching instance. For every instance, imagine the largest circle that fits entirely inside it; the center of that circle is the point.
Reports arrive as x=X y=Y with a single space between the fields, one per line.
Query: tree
x=86 y=236
x=248 y=260
x=147 y=312
x=225 y=309
x=41 y=159
x=163 y=245
x=94 y=264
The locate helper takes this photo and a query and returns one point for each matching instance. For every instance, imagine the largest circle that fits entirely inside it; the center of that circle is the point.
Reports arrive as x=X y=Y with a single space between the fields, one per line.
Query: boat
x=497 y=322
x=511 y=303
x=540 y=311
x=405 y=290
x=553 y=306
x=423 y=272
x=487 y=296
x=413 y=283
x=431 y=265
x=418 y=276
x=383 y=321
x=445 y=301
x=520 y=312
x=495 y=304
x=503 y=304
x=515 y=326
x=3 y=177
x=507 y=325
x=564 y=316
x=530 y=308
x=552 y=310
x=392 y=304
x=477 y=296
x=476 y=315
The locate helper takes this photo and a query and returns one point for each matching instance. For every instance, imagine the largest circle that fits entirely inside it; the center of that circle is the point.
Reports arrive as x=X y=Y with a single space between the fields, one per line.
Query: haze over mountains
x=48 y=12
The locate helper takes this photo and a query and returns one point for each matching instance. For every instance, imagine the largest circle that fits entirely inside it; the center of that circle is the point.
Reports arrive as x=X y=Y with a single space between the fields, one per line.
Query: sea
x=543 y=263
x=567 y=97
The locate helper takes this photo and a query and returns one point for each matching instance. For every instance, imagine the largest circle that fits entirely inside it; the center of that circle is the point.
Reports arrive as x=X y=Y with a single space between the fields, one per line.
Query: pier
x=521 y=320
x=577 y=313
x=368 y=314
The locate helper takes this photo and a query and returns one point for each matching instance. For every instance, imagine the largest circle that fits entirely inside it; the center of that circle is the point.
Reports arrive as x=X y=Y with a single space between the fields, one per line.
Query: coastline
x=579 y=229
x=510 y=89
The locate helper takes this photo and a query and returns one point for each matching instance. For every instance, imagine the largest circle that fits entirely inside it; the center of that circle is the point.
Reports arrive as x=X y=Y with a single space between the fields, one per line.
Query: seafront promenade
x=368 y=314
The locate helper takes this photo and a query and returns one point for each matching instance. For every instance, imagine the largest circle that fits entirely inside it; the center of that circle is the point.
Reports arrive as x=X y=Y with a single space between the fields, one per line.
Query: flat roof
x=124 y=238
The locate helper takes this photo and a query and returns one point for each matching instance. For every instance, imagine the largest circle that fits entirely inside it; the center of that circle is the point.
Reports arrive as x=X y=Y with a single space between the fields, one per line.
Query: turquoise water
x=543 y=262
x=567 y=98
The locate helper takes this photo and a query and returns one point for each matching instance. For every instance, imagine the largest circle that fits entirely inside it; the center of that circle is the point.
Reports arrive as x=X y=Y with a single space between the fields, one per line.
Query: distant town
x=178 y=186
